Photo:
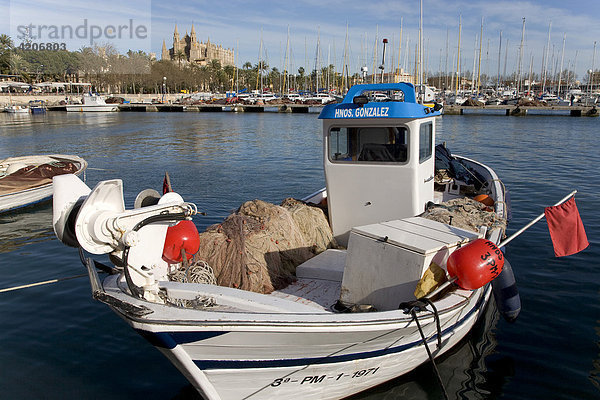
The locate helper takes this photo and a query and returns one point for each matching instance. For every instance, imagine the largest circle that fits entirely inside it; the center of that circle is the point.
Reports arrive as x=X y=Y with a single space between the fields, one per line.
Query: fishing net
x=465 y=213
x=258 y=247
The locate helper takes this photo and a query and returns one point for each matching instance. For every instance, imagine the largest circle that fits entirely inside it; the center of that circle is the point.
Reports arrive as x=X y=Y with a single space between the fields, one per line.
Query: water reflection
x=470 y=371
x=26 y=226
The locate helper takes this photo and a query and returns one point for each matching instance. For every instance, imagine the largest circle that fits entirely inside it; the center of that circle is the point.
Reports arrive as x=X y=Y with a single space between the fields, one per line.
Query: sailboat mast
x=547 y=59
x=421 y=48
x=397 y=77
x=562 y=59
x=479 y=62
x=446 y=63
x=499 y=57
x=473 y=70
x=458 y=56
x=592 y=73
x=285 y=63
x=520 y=59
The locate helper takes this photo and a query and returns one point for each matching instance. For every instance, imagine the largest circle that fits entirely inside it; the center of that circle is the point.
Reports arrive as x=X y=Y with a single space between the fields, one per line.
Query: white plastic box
x=385 y=261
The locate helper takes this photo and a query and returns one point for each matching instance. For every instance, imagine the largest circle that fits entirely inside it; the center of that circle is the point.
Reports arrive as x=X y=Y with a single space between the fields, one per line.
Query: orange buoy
x=184 y=235
x=475 y=264
x=485 y=199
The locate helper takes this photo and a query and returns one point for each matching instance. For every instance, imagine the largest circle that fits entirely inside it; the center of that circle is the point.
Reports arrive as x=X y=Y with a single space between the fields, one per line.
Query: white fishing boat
x=351 y=319
x=27 y=180
x=14 y=109
x=92 y=103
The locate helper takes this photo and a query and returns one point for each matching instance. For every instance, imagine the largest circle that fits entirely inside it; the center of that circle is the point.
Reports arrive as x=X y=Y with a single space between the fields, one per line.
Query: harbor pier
x=522 y=110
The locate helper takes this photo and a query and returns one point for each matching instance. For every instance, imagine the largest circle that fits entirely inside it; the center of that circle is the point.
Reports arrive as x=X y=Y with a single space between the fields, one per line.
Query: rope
x=10 y=289
x=419 y=305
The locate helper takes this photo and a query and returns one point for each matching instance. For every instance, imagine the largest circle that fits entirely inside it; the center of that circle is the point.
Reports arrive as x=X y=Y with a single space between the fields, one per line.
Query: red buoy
x=475 y=264
x=183 y=235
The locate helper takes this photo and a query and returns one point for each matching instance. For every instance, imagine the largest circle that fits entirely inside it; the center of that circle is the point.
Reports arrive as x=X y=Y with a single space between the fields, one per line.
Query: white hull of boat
x=92 y=108
x=16 y=110
x=27 y=197
x=304 y=355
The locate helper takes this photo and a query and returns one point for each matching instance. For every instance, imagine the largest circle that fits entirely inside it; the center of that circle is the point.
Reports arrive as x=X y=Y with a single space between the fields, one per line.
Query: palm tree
x=6 y=46
x=301 y=72
x=180 y=55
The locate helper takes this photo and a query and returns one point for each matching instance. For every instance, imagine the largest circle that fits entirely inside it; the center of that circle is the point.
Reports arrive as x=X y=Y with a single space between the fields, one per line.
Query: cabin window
x=369 y=144
x=425 y=141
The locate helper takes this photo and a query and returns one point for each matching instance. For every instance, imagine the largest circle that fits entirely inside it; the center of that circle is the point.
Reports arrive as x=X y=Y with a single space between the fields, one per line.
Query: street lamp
x=164 y=88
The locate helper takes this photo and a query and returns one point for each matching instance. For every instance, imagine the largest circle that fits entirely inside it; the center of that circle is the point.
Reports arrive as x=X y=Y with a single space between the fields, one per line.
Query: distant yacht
x=92 y=103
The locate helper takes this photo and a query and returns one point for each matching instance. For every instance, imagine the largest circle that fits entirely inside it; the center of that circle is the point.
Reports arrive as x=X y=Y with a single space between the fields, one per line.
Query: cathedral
x=188 y=49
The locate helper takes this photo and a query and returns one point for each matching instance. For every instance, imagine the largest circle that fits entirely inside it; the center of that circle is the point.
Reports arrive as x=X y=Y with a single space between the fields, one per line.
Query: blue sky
x=241 y=24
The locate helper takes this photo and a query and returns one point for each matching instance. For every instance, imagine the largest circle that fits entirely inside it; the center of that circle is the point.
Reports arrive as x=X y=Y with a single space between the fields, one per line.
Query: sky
x=242 y=25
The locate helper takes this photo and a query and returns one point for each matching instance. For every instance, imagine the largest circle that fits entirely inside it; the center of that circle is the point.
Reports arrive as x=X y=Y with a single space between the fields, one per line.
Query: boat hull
x=28 y=197
x=312 y=356
x=92 y=108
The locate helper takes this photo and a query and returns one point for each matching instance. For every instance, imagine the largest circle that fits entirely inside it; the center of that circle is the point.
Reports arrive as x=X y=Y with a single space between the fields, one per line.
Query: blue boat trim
x=169 y=340
x=409 y=108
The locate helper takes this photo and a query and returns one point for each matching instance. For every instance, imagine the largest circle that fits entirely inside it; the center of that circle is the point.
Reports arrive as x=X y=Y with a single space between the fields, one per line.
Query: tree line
x=137 y=72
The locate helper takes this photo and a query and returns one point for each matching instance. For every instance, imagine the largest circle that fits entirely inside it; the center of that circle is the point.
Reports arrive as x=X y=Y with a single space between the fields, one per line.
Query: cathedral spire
x=165 y=52
x=193 y=37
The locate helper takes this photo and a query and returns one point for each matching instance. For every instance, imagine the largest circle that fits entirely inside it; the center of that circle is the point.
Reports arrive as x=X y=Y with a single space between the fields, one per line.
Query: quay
x=169 y=107
x=522 y=110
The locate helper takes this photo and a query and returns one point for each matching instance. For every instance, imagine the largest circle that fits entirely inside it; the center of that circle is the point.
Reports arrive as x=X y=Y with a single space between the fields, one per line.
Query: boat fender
x=181 y=236
x=486 y=200
x=475 y=264
x=506 y=293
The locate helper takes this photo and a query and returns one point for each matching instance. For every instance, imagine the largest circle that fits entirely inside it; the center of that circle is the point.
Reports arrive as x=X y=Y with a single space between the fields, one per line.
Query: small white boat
x=16 y=109
x=322 y=98
x=92 y=103
x=28 y=180
x=313 y=339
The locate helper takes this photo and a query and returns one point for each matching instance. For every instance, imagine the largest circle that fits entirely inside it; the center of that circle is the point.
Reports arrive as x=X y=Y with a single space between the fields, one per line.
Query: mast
x=259 y=75
x=499 y=57
x=458 y=57
x=547 y=58
x=421 y=48
x=591 y=83
x=562 y=59
x=345 y=65
x=520 y=59
x=285 y=63
x=479 y=62
x=530 y=73
x=505 y=58
x=397 y=77
x=473 y=70
x=446 y=64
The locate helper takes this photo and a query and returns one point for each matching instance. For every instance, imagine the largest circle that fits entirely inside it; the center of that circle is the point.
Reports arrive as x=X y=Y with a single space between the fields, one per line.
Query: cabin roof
x=409 y=108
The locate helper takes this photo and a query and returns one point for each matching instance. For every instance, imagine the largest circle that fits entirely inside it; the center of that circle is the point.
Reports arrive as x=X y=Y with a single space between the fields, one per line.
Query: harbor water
x=58 y=343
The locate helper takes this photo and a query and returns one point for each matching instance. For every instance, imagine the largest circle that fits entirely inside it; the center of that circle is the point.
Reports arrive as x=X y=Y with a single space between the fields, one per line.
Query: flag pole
x=523 y=229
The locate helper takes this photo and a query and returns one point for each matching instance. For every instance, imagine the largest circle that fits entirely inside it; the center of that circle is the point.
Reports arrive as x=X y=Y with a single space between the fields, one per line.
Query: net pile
x=464 y=213
x=258 y=247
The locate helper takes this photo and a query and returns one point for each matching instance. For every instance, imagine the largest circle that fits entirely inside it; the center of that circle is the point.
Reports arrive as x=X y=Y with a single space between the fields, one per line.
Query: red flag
x=566 y=228
x=167 y=184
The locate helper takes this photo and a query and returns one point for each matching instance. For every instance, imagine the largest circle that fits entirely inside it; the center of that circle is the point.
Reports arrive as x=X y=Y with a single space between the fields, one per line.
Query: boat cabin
x=378 y=157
